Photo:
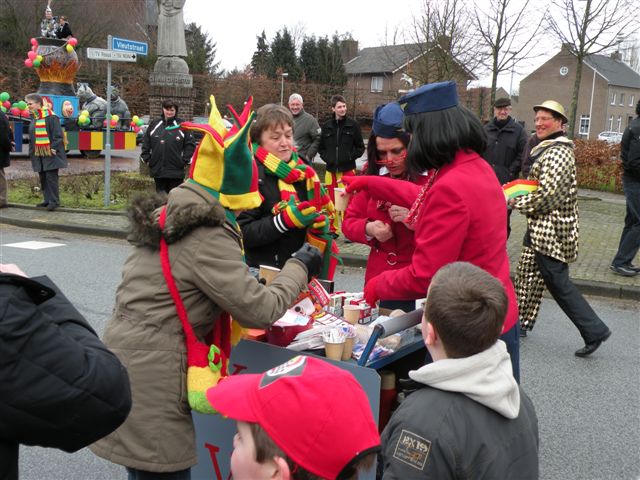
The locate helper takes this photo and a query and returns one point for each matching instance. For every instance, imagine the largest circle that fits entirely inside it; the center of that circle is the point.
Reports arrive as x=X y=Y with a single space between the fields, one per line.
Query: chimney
x=348 y=50
x=616 y=56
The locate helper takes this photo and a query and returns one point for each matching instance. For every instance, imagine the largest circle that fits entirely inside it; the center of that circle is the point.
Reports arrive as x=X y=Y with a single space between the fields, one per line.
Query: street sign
x=111 y=55
x=124 y=45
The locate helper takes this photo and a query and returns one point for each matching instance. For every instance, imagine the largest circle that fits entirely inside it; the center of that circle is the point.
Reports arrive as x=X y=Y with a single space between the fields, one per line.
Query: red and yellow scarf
x=42 y=143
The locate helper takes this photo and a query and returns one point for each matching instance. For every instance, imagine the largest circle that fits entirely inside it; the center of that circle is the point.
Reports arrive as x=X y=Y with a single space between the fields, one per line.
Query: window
x=610 y=123
x=377 y=84
x=619 y=123
x=584 y=124
x=613 y=98
x=621 y=99
x=632 y=100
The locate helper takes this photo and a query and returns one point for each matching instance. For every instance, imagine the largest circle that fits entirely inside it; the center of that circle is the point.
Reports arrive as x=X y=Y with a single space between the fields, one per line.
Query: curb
x=57 y=227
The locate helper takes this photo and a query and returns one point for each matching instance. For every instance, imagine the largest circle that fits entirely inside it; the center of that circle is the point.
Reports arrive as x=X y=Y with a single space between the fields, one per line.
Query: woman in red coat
x=376 y=223
x=458 y=215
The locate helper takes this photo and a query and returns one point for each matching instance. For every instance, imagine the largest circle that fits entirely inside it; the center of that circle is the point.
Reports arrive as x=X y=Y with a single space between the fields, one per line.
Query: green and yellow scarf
x=42 y=143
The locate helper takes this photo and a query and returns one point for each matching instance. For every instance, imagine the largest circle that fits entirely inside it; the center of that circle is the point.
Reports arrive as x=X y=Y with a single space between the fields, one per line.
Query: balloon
x=34 y=42
x=14 y=104
x=69 y=48
x=28 y=63
x=85 y=113
x=15 y=111
x=73 y=41
x=32 y=55
x=39 y=58
x=34 y=48
x=4 y=96
x=22 y=105
x=115 y=118
x=36 y=63
x=3 y=108
x=136 y=129
x=104 y=123
x=6 y=104
x=82 y=119
x=135 y=119
x=113 y=123
x=25 y=113
x=140 y=122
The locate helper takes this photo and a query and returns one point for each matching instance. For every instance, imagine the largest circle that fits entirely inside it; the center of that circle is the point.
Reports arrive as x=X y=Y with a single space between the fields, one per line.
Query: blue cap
x=388 y=120
x=430 y=98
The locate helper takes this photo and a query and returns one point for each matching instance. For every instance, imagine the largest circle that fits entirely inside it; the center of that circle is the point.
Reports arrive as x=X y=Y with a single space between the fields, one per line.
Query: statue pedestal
x=171 y=79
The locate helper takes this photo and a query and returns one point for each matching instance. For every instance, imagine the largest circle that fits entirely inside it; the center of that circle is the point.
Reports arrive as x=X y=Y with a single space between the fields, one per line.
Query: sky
x=234 y=25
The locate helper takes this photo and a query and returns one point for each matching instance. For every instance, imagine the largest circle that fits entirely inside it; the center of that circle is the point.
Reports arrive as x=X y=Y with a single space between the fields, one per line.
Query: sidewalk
x=601 y=222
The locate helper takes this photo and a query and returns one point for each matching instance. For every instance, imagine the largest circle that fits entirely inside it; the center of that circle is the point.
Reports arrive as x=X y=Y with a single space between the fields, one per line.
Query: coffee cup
x=268 y=273
x=351 y=313
x=348 y=348
x=333 y=351
x=342 y=199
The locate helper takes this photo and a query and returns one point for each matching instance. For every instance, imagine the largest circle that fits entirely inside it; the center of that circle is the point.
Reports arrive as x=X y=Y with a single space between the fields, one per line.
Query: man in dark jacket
x=46 y=149
x=6 y=145
x=506 y=142
x=167 y=149
x=466 y=416
x=61 y=387
x=630 y=239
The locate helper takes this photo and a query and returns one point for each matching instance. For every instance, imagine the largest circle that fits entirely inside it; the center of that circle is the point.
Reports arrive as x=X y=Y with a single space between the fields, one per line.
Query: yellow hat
x=552 y=106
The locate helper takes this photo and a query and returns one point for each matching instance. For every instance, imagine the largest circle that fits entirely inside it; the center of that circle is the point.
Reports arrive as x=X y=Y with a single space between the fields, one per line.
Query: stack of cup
x=334 y=341
x=351 y=313
x=350 y=338
x=341 y=199
x=268 y=273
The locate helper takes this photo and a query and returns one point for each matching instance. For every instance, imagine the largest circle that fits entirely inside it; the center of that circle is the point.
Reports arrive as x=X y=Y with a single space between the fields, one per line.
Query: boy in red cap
x=302 y=419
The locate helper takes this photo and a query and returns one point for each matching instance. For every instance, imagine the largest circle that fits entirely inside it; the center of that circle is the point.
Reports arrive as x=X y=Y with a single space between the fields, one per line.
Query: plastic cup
x=351 y=314
x=348 y=348
x=268 y=273
x=333 y=351
x=342 y=199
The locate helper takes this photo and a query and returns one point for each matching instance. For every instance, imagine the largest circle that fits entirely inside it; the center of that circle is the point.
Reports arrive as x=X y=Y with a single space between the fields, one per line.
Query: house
x=379 y=75
x=609 y=92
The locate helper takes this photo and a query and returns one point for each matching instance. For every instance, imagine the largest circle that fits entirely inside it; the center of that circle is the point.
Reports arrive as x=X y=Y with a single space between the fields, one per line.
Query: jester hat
x=223 y=162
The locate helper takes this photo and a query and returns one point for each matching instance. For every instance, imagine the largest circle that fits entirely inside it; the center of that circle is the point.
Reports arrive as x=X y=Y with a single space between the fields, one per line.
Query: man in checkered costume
x=551 y=240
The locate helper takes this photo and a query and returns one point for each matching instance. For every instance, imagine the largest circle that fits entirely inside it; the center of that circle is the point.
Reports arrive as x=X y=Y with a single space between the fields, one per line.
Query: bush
x=598 y=165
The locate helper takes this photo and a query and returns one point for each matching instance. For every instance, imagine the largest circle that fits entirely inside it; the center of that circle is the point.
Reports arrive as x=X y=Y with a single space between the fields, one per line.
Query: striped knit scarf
x=43 y=144
x=291 y=172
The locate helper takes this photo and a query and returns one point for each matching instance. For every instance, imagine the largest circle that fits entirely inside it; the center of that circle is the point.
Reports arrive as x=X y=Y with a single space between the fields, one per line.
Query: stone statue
x=95 y=105
x=119 y=107
x=171 y=41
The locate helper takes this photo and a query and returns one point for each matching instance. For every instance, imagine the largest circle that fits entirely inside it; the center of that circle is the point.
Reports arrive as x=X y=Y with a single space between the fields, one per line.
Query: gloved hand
x=320 y=222
x=370 y=294
x=299 y=215
x=311 y=257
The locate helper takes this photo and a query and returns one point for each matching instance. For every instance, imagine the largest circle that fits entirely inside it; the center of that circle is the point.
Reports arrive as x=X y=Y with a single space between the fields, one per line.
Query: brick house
x=609 y=92
x=379 y=75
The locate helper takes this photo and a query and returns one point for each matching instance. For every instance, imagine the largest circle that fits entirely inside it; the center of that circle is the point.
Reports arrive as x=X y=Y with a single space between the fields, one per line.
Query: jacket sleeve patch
x=412 y=449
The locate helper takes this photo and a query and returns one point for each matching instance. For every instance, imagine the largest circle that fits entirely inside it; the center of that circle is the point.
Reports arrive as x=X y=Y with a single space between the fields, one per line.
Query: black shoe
x=589 y=348
x=633 y=267
x=523 y=333
x=52 y=206
x=625 y=271
x=4 y=205
x=42 y=204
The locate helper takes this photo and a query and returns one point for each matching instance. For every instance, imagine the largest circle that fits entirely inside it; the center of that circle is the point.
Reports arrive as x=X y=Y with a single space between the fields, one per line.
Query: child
x=304 y=419
x=467 y=416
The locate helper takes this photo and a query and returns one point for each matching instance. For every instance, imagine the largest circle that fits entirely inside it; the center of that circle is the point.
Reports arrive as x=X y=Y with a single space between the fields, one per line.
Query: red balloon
x=34 y=42
x=32 y=55
x=15 y=111
x=6 y=104
x=25 y=113
x=73 y=41
x=28 y=63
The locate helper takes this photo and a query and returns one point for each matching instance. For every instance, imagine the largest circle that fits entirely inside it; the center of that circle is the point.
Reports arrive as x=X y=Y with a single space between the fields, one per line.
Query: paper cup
x=348 y=348
x=333 y=351
x=351 y=314
x=268 y=273
x=342 y=199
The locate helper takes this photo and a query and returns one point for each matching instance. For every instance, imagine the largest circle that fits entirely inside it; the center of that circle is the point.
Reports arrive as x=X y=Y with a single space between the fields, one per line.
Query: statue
x=119 y=107
x=95 y=105
x=171 y=41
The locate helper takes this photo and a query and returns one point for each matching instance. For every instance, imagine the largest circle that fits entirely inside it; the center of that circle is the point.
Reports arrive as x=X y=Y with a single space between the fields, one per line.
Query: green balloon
x=140 y=122
x=4 y=110
x=22 y=104
x=4 y=96
x=36 y=63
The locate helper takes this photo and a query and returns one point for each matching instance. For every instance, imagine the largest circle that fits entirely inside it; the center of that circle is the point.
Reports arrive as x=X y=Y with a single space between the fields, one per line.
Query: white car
x=610 y=137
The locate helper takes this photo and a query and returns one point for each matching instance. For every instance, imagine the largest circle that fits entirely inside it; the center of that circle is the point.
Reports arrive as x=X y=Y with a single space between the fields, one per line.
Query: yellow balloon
x=69 y=48
x=39 y=58
x=135 y=119
x=115 y=118
x=85 y=113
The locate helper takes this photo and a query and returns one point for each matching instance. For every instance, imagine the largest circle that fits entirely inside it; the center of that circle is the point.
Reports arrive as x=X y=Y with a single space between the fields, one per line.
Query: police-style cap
x=388 y=120
x=430 y=98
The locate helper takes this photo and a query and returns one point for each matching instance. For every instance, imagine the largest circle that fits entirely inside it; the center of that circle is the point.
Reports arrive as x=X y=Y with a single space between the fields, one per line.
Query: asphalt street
x=588 y=409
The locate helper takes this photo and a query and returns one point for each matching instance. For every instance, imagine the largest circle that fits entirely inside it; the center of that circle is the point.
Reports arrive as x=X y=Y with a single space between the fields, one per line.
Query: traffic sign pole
x=107 y=144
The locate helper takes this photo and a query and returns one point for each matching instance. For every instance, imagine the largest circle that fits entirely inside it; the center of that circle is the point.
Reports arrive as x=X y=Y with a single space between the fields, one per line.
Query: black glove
x=312 y=259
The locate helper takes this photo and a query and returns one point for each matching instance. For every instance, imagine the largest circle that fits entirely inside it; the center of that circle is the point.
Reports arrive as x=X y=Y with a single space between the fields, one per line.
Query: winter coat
x=306 y=135
x=264 y=244
x=461 y=219
x=552 y=209
x=467 y=419
x=630 y=149
x=341 y=144
x=505 y=147
x=205 y=252
x=56 y=138
x=167 y=151
x=61 y=387
x=6 y=137
x=393 y=254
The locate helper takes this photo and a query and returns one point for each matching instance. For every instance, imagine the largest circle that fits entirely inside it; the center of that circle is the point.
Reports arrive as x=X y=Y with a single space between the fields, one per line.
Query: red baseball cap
x=316 y=413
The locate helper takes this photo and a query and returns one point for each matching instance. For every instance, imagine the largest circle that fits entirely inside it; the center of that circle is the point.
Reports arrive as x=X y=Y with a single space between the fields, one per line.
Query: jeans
x=142 y=475
x=630 y=238
x=512 y=339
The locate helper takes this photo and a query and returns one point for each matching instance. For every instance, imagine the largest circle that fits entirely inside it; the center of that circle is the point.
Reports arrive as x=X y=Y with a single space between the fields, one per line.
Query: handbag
x=206 y=364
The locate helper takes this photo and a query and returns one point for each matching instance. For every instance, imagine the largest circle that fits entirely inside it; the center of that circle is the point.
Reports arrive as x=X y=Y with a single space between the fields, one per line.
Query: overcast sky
x=234 y=25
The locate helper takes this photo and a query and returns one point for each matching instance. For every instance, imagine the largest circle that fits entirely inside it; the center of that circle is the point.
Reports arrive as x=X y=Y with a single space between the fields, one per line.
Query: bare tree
x=589 y=27
x=630 y=50
x=510 y=31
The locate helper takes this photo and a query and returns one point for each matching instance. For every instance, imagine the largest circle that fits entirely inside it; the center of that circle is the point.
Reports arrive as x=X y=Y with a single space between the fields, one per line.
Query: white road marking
x=34 y=245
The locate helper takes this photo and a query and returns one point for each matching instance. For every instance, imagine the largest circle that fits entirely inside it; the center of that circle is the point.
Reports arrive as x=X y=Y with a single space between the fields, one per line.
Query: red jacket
x=390 y=255
x=463 y=218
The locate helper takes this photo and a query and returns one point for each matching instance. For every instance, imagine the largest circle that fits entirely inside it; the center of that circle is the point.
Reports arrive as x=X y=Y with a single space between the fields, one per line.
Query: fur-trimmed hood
x=188 y=207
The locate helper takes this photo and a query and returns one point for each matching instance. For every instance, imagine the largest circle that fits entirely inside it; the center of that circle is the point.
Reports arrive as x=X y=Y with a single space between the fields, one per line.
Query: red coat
x=390 y=255
x=463 y=218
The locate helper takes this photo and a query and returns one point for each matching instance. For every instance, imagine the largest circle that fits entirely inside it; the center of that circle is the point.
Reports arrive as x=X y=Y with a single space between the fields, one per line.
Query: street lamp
x=282 y=75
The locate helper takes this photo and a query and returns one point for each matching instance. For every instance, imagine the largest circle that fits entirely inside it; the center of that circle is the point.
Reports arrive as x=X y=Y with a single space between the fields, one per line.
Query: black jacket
x=5 y=141
x=341 y=144
x=630 y=149
x=504 y=149
x=61 y=387
x=264 y=244
x=167 y=149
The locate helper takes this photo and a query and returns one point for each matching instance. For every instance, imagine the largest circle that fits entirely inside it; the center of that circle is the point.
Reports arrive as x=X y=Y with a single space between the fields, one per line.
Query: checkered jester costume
x=552 y=221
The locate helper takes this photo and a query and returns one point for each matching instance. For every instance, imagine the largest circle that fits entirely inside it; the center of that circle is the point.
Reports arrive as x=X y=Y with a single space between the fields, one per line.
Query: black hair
x=168 y=103
x=438 y=136
x=337 y=98
x=372 y=156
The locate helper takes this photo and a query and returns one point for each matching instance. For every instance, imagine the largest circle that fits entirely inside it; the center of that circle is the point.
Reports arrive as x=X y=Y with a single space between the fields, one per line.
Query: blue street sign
x=124 y=45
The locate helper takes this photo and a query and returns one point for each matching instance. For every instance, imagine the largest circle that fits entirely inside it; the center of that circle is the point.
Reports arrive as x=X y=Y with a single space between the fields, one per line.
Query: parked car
x=610 y=137
x=205 y=120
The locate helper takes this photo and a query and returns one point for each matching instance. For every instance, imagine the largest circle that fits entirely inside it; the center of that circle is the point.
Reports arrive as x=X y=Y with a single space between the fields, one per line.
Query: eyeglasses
x=543 y=119
x=390 y=157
